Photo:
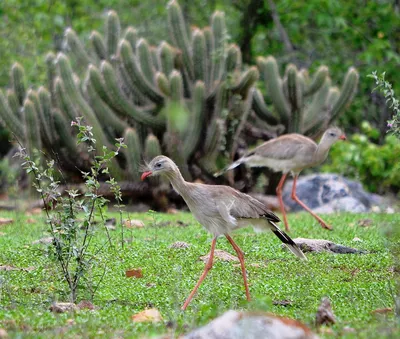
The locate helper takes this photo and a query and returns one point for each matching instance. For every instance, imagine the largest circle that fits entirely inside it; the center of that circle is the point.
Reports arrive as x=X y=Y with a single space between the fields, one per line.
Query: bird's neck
x=321 y=152
x=178 y=182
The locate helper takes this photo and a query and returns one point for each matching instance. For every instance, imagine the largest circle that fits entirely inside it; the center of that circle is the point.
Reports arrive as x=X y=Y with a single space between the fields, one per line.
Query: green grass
x=356 y=284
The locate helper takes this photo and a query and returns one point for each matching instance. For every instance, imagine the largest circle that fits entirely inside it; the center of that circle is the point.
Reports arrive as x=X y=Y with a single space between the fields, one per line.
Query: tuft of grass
x=356 y=284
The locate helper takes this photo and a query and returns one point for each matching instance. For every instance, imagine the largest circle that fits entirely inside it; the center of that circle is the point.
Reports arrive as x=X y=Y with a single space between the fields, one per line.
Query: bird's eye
x=332 y=134
x=157 y=165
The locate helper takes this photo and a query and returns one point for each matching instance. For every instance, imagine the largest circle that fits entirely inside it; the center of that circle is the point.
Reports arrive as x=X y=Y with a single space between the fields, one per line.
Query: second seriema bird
x=221 y=210
x=291 y=153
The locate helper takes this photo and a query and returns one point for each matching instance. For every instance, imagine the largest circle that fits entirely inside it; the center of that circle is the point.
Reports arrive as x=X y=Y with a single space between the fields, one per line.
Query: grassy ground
x=356 y=284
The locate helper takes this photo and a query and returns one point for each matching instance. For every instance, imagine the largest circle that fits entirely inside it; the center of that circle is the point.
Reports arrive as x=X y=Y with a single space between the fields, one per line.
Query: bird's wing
x=231 y=203
x=284 y=147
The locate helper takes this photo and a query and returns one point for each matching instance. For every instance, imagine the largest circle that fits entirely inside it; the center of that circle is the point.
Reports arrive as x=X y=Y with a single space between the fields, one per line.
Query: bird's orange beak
x=343 y=137
x=145 y=175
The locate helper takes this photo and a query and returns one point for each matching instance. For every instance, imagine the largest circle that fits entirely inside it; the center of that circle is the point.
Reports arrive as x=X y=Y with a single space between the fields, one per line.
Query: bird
x=290 y=153
x=220 y=210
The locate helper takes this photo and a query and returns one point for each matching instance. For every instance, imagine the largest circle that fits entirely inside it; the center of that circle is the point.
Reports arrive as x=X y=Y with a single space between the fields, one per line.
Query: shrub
x=376 y=166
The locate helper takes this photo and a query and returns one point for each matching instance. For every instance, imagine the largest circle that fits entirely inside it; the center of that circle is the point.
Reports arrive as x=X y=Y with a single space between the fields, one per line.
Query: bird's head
x=332 y=135
x=159 y=165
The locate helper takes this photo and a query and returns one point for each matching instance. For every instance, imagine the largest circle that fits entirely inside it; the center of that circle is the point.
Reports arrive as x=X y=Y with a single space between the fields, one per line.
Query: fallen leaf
x=220 y=254
x=63 y=307
x=6 y=221
x=3 y=333
x=2 y=233
x=150 y=284
x=86 y=305
x=382 y=310
x=324 y=314
x=282 y=302
x=149 y=315
x=172 y=211
x=364 y=222
x=357 y=239
x=135 y=273
x=133 y=223
x=30 y=221
x=179 y=244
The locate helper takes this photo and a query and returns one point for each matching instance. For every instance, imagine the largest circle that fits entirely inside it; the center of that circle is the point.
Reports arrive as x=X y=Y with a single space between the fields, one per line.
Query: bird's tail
x=287 y=241
x=228 y=168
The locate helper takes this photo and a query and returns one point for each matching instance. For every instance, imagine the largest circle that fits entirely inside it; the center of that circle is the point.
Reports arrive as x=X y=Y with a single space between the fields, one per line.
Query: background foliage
x=336 y=33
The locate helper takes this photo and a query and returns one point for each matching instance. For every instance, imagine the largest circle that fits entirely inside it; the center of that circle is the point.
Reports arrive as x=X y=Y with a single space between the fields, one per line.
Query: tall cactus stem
x=200 y=60
x=219 y=42
x=8 y=118
x=98 y=45
x=13 y=103
x=166 y=58
x=152 y=147
x=132 y=153
x=317 y=81
x=197 y=119
x=18 y=82
x=132 y=69
x=179 y=35
x=261 y=109
x=145 y=60
x=77 y=48
x=113 y=31
x=269 y=68
x=119 y=100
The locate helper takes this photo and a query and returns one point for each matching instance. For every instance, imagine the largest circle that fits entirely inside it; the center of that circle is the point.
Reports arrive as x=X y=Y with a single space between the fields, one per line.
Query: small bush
x=376 y=166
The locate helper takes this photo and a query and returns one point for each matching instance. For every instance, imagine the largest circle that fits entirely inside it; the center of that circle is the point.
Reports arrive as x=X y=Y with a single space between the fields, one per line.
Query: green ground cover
x=356 y=284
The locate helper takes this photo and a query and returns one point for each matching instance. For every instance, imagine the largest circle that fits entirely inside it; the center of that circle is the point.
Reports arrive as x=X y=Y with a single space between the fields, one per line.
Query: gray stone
x=252 y=325
x=329 y=193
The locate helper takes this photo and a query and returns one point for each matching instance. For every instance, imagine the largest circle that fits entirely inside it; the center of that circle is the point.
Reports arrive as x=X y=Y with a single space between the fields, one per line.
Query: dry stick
x=282 y=32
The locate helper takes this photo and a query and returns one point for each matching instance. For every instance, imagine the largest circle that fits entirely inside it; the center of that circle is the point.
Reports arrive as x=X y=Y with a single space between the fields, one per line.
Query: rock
x=329 y=193
x=324 y=314
x=149 y=315
x=3 y=333
x=179 y=244
x=251 y=325
x=63 y=307
x=321 y=245
x=43 y=241
x=220 y=254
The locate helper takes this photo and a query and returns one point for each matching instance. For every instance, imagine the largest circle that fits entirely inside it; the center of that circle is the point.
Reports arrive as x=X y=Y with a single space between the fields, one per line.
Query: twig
x=282 y=32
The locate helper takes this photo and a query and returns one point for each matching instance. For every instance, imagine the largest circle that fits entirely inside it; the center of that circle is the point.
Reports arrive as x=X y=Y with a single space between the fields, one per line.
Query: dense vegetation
x=301 y=35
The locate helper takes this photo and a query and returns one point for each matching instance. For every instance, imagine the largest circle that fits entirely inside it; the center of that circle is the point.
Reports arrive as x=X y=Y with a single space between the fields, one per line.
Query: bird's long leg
x=208 y=267
x=241 y=259
x=302 y=204
x=281 y=205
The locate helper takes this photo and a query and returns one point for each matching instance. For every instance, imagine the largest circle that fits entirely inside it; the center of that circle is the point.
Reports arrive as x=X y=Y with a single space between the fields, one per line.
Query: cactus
x=132 y=152
x=8 y=117
x=302 y=105
x=188 y=99
x=152 y=147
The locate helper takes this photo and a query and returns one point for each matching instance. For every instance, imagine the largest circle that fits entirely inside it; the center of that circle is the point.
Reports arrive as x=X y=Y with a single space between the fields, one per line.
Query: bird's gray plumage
x=221 y=209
